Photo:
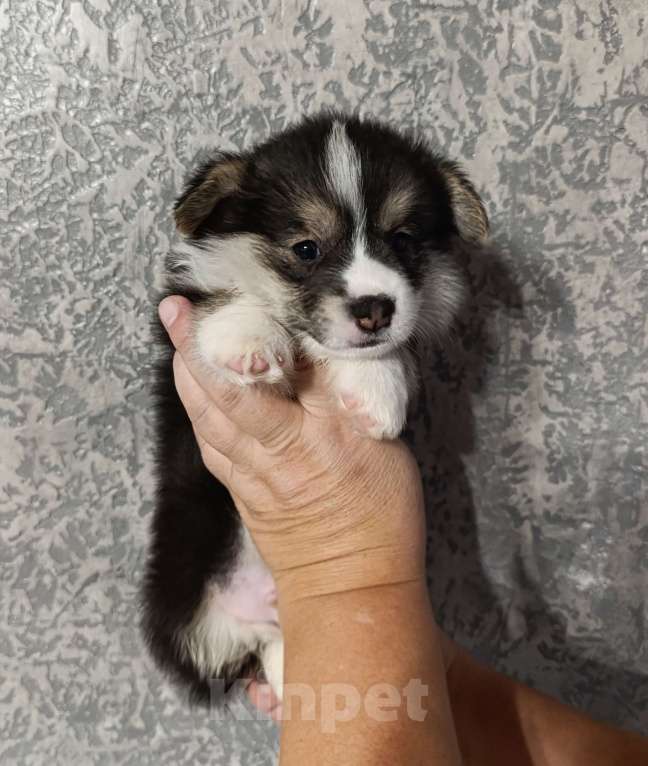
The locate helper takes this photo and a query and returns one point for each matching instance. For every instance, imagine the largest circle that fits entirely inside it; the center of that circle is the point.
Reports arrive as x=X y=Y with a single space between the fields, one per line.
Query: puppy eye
x=400 y=241
x=307 y=250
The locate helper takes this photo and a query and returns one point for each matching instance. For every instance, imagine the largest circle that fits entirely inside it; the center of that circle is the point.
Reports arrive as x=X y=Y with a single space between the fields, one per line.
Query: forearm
x=341 y=647
x=503 y=723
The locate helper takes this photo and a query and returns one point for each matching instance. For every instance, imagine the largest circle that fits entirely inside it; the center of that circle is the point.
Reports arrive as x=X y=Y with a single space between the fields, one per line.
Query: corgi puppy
x=332 y=240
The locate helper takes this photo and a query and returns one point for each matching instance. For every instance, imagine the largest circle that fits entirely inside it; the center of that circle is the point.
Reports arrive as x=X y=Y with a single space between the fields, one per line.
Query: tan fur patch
x=224 y=178
x=395 y=208
x=319 y=218
x=470 y=215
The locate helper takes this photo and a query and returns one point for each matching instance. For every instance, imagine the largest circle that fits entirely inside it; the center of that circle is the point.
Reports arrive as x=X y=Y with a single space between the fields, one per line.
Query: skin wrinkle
x=284 y=496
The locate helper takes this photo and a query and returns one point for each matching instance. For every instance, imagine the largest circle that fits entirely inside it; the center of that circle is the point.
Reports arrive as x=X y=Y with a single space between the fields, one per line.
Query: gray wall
x=531 y=429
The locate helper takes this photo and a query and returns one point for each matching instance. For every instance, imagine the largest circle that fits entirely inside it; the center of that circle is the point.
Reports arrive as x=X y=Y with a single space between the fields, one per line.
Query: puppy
x=333 y=240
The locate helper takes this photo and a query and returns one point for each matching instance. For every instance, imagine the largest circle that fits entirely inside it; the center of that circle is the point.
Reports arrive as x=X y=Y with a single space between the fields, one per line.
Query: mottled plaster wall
x=531 y=429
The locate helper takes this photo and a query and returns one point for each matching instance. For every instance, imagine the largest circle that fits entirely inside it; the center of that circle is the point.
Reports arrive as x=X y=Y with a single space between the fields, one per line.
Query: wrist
x=360 y=571
x=379 y=635
x=376 y=609
x=367 y=666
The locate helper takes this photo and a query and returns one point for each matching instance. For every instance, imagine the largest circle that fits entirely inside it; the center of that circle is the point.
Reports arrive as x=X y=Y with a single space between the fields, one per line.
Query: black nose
x=372 y=312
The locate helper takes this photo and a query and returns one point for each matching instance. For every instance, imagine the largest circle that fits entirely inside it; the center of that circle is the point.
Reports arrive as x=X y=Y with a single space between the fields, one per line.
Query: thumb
x=175 y=314
x=256 y=411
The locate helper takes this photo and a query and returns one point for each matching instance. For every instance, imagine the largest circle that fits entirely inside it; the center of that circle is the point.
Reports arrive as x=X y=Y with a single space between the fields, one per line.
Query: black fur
x=194 y=532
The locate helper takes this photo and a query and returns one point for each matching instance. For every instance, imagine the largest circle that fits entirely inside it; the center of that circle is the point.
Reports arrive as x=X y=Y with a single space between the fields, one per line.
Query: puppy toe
x=258 y=364
x=236 y=365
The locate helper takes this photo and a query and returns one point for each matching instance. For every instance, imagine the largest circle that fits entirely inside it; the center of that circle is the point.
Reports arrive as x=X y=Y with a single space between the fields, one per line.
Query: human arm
x=374 y=661
x=339 y=520
x=501 y=722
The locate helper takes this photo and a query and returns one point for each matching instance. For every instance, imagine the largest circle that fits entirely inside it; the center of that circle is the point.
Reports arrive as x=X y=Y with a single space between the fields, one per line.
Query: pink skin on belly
x=251 y=595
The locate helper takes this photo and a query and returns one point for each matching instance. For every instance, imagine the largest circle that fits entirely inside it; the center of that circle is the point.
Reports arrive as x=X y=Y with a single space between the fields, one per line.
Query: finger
x=260 y=412
x=256 y=410
x=217 y=464
x=209 y=423
x=264 y=699
x=175 y=314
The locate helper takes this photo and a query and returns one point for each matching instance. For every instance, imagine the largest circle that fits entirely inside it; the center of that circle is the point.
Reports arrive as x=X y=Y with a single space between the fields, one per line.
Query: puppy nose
x=372 y=312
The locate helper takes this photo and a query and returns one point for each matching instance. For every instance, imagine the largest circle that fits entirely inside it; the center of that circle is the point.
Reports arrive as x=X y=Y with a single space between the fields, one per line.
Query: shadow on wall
x=568 y=666
x=468 y=606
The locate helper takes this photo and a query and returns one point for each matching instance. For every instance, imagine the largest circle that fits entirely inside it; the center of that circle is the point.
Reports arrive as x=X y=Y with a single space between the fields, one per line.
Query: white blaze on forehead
x=365 y=276
x=343 y=170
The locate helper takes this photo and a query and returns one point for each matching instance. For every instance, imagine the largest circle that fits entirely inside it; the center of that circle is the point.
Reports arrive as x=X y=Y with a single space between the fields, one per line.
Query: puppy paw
x=244 y=345
x=375 y=393
x=245 y=360
x=378 y=419
x=256 y=365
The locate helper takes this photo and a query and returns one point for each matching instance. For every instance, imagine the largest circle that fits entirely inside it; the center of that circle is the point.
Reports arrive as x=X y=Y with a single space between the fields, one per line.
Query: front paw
x=375 y=393
x=256 y=365
x=244 y=359
x=376 y=418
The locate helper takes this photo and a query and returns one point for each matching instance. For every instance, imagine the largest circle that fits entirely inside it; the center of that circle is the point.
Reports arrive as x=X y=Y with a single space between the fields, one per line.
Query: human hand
x=329 y=510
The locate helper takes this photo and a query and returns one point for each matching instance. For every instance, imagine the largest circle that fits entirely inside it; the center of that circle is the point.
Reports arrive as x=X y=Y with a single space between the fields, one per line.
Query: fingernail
x=168 y=311
x=264 y=697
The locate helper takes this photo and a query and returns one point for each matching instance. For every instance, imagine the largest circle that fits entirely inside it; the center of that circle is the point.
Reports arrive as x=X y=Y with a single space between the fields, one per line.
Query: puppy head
x=339 y=226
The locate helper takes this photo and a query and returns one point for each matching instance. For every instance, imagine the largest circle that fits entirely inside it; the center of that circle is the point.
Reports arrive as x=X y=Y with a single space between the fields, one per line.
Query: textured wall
x=531 y=428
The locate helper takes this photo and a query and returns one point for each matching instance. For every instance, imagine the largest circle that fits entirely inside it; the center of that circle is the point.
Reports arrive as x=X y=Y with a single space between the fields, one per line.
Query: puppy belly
x=235 y=619
x=218 y=638
x=251 y=595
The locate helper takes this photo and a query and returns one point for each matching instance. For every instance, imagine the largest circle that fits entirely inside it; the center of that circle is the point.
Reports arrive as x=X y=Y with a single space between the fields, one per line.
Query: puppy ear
x=468 y=209
x=210 y=185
